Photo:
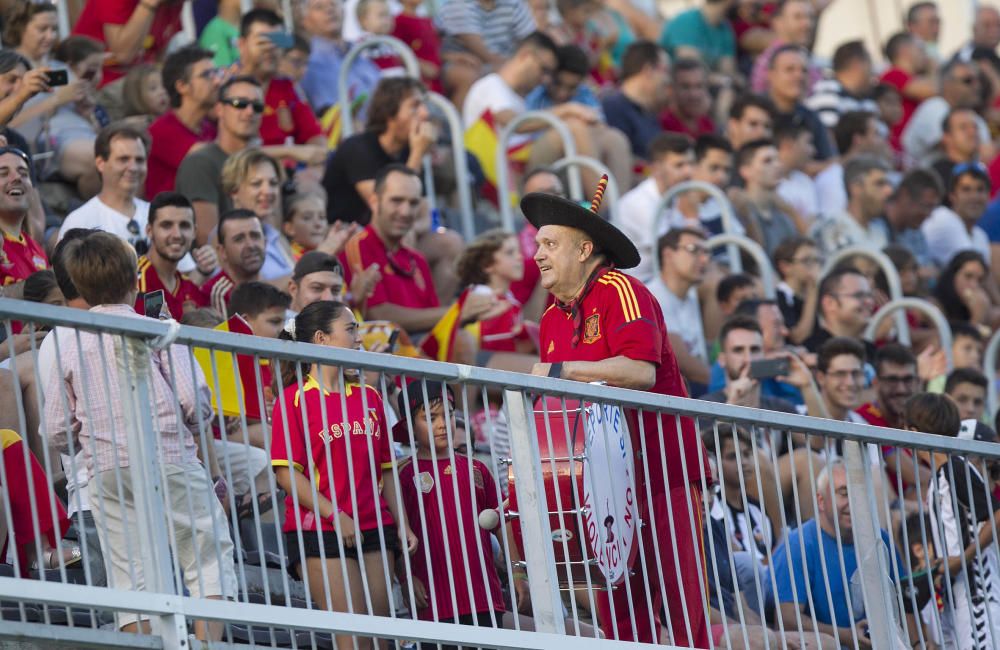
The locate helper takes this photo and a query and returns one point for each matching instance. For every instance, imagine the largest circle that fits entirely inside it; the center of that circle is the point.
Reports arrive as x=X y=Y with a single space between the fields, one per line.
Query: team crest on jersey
x=477 y=478
x=39 y=262
x=447 y=471
x=592 y=328
x=424 y=482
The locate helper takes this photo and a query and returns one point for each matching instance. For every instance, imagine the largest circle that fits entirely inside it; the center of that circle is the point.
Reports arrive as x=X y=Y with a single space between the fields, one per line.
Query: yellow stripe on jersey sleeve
x=625 y=295
x=284 y=463
x=629 y=292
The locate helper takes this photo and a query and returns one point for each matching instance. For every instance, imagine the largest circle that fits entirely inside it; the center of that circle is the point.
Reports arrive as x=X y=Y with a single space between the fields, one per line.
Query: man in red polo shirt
x=690 y=106
x=288 y=118
x=606 y=326
x=134 y=31
x=192 y=82
x=170 y=231
x=404 y=293
x=241 y=255
x=20 y=255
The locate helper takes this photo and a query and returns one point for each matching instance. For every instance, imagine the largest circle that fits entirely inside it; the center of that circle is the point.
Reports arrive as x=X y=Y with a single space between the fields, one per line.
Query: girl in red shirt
x=331 y=454
x=494 y=261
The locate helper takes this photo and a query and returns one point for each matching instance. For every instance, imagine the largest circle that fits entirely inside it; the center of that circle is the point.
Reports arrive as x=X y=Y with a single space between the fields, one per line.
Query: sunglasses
x=240 y=104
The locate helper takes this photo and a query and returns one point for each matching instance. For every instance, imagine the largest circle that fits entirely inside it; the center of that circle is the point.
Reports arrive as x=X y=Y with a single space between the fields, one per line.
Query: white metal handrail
x=405 y=53
x=899 y=307
x=891 y=278
x=595 y=165
x=755 y=251
x=990 y=367
x=726 y=208
x=503 y=171
x=462 y=180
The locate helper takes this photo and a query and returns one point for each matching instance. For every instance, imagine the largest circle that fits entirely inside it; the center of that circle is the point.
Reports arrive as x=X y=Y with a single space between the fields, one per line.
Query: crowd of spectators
x=219 y=165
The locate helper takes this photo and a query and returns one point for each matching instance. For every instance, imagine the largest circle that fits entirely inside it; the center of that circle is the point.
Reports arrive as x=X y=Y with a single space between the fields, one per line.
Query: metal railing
x=771 y=466
x=891 y=278
x=343 y=91
x=898 y=307
x=503 y=171
x=596 y=166
x=990 y=368
x=462 y=179
x=725 y=207
x=759 y=255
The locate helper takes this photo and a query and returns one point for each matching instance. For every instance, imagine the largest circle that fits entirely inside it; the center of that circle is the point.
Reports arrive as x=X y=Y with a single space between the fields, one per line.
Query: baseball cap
x=413 y=398
x=315 y=262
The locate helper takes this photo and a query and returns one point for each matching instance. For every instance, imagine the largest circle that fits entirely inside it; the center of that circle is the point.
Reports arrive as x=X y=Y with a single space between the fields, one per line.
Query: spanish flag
x=481 y=140
x=439 y=342
x=331 y=120
x=235 y=396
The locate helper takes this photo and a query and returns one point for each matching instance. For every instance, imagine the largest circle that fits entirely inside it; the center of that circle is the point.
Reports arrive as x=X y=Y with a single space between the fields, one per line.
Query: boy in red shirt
x=420 y=34
x=443 y=493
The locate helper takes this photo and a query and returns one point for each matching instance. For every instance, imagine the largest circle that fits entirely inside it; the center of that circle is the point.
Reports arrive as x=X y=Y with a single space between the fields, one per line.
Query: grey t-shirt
x=200 y=176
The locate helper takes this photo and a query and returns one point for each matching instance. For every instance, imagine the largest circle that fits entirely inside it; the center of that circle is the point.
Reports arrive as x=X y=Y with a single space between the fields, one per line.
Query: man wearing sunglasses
x=960 y=88
x=20 y=255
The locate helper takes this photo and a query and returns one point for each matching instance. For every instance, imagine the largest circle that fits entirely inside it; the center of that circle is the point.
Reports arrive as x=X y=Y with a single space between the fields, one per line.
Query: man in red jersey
x=20 y=255
x=241 y=255
x=170 y=231
x=606 y=326
x=192 y=82
x=134 y=31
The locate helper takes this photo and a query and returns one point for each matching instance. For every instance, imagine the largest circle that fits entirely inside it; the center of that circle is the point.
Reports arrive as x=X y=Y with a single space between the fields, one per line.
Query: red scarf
x=573 y=306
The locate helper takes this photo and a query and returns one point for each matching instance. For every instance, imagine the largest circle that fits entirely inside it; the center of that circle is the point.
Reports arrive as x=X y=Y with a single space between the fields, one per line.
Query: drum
x=589 y=492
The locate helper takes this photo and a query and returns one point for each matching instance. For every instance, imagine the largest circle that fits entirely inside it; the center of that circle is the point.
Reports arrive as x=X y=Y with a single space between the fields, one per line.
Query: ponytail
x=316 y=317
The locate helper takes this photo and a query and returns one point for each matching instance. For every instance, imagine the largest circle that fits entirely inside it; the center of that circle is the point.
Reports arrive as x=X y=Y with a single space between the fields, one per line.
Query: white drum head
x=612 y=515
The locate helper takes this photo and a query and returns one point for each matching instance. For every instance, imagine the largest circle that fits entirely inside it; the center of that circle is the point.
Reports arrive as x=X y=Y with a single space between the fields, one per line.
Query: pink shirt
x=86 y=382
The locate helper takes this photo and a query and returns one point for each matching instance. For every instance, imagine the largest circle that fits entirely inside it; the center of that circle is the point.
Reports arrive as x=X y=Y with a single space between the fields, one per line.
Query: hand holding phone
x=152 y=303
x=281 y=40
x=57 y=78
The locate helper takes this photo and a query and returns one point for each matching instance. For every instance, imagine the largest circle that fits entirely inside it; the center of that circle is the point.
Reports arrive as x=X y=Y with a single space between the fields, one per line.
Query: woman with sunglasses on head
x=331 y=453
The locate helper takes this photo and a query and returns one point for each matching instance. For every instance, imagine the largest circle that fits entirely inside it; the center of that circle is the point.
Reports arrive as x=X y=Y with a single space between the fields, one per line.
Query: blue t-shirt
x=628 y=117
x=990 y=221
x=539 y=100
x=821 y=548
x=768 y=387
x=690 y=29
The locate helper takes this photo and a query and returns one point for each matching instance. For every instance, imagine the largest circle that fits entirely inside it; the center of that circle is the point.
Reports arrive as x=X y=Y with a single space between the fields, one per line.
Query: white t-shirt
x=799 y=190
x=95 y=213
x=842 y=230
x=635 y=216
x=830 y=192
x=491 y=93
x=682 y=316
x=922 y=134
x=946 y=235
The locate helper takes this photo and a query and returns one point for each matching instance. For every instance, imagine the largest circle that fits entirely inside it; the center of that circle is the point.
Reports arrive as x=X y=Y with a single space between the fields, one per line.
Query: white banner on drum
x=609 y=496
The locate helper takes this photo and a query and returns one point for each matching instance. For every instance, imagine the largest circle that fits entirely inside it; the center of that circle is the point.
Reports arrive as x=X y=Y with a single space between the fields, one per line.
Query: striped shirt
x=85 y=399
x=830 y=100
x=501 y=27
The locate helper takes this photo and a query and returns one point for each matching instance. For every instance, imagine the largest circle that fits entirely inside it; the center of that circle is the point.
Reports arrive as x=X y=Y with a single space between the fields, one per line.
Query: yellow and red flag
x=236 y=393
x=439 y=342
x=482 y=140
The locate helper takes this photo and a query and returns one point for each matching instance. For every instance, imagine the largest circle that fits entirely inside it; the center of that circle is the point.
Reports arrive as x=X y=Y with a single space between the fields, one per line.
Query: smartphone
x=152 y=303
x=281 y=40
x=57 y=77
x=393 y=338
x=768 y=368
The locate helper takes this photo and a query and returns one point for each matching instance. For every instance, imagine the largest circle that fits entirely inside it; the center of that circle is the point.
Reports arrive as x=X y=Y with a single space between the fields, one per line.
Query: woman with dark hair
x=337 y=523
x=961 y=292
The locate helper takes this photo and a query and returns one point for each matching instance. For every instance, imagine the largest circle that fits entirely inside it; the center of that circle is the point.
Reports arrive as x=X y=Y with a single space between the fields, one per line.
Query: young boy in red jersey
x=442 y=495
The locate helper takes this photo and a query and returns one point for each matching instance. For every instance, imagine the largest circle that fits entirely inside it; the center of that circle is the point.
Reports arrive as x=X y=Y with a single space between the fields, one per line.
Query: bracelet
x=555 y=370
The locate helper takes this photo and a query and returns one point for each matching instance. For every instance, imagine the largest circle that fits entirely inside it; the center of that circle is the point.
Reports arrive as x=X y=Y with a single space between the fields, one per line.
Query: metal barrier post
x=726 y=208
x=990 y=362
x=891 y=279
x=62 y=15
x=868 y=544
x=144 y=466
x=611 y=197
x=503 y=173
x=899 y=306
x=405 y=53
x=755 y=251
x=456 y=132
x=533 y=515
x=187 y=22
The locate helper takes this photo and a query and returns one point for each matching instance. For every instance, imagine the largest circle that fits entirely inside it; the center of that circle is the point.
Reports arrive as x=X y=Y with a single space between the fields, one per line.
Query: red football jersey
x=622 y=318
x=286 y=115
x=431 y=488
x=311 y=432
x=218 y=289
x=523 y=288
x=501 y=333
x=186 y=294
x=20 y=257
x=166 y=23
x=420 y=34
x=170 y=140
x=406 y=276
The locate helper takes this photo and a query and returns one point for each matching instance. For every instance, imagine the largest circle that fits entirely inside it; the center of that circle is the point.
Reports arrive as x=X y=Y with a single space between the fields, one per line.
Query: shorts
x=331 y=544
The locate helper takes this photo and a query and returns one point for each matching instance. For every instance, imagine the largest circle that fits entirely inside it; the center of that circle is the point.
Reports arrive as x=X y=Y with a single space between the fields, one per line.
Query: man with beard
x=822 y=552
x=896 y=380
x=241 y=254
x=846 y=304
x=170 y=232
x=952 y=229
